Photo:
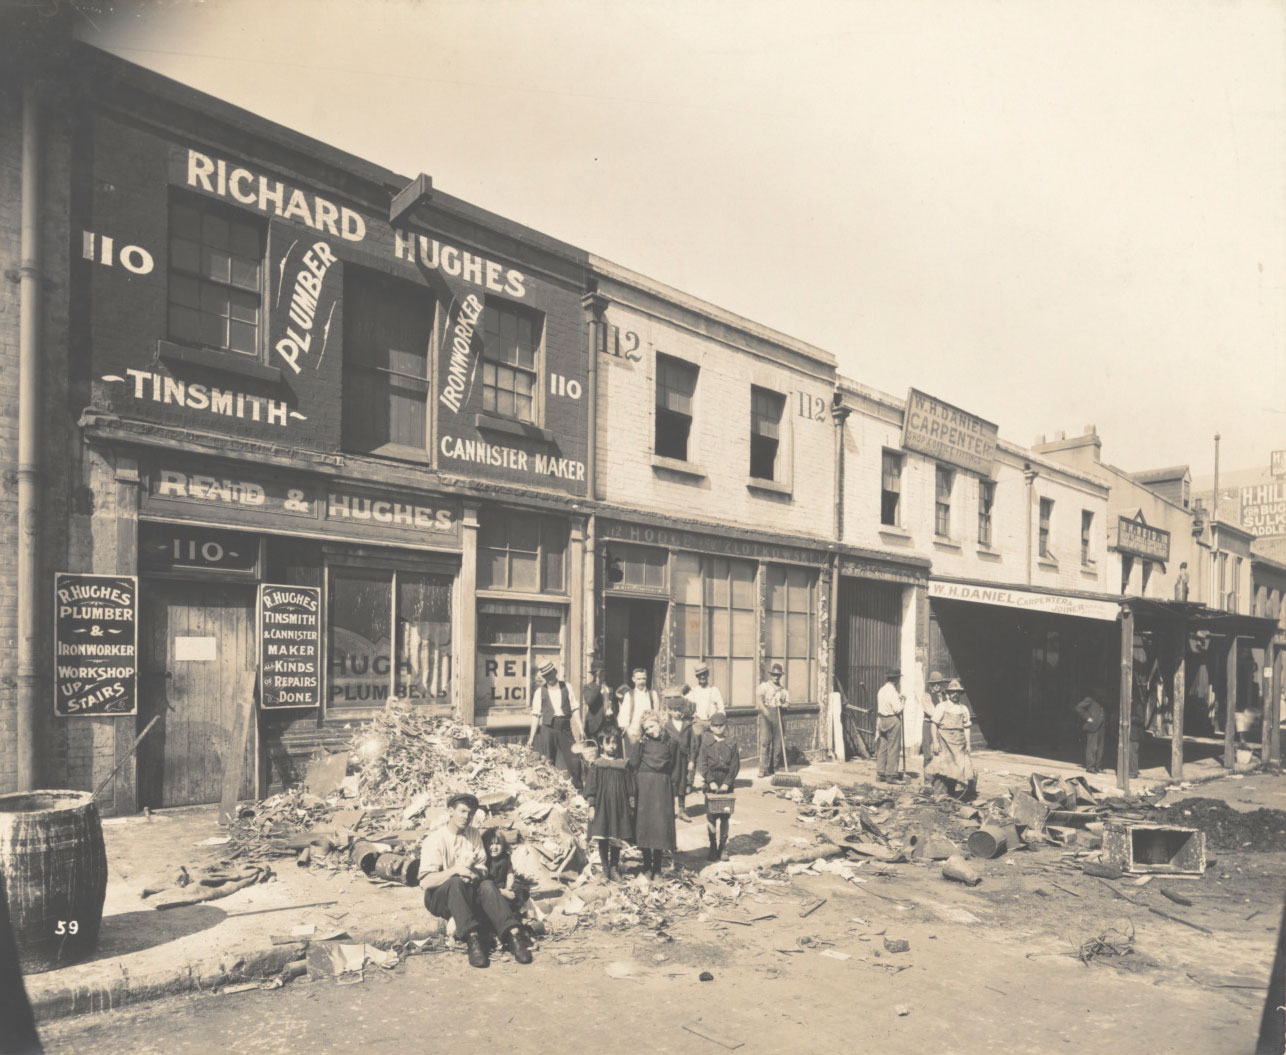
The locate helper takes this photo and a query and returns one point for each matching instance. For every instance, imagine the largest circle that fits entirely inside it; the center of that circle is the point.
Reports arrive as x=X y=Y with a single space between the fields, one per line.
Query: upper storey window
x=511 y=340
x=216 y=265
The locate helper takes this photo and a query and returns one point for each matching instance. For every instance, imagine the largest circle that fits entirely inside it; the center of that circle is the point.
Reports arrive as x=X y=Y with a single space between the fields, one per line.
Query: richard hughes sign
x=95 y=644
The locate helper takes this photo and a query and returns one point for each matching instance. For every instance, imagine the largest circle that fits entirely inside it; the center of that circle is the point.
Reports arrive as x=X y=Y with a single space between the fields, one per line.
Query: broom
x=787 y=779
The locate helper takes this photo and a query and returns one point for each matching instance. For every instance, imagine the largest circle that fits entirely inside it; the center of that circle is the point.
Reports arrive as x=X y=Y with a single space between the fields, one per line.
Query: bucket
x=55 y=873
x=992 y=840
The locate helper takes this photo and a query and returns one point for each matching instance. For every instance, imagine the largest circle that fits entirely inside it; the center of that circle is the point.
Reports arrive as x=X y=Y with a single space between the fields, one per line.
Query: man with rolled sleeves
x=555 y=715
x=771 y=700
x=889 y=705
x=707 y=701
x=453 y=875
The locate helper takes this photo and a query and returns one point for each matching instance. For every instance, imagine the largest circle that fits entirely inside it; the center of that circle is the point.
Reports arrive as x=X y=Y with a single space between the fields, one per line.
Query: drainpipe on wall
x=28 y=442
x=594 y=304
x=839 y=415
x=1029 y=474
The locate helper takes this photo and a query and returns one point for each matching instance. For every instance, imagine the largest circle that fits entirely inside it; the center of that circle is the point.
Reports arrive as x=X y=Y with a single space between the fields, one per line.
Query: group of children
x=637 y=786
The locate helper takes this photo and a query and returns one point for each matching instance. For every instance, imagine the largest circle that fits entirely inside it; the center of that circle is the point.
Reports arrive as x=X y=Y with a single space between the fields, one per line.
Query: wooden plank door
x=200 y=661
x=869 y=645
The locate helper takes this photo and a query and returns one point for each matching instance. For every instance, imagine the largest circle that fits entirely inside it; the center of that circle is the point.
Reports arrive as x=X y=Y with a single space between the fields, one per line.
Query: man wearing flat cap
x=555 y=716
x=932 y=700
x=598 y=704
x=707 y=701
x=771 y=701
x=889 y=705
x=453 y=874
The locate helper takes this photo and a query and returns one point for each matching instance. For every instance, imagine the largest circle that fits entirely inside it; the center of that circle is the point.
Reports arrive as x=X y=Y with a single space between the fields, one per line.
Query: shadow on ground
x=128 y=932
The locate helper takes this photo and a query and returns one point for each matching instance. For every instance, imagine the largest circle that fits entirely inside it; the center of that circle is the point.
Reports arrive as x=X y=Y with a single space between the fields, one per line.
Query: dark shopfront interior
x=1024 y=672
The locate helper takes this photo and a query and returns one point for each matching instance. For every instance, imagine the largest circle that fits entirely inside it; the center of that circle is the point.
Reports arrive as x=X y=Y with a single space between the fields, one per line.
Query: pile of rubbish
x=1253 y=831
x=369 y=807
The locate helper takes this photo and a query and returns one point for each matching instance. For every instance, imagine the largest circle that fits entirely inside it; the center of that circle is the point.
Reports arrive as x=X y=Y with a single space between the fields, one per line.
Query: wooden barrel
x=55 y=874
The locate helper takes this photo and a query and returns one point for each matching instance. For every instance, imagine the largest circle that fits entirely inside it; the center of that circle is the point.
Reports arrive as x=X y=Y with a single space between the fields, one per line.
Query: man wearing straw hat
x=555 y=714
x=936 y=686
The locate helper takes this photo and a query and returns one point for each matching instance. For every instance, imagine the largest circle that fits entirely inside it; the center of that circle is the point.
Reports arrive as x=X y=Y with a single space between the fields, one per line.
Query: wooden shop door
x=197 y=644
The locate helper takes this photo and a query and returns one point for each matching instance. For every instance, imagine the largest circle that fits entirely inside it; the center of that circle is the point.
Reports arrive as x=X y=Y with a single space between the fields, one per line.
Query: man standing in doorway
x=636 y=703
x=771 y=700
x=1093 y=719
x=453 y=875
x=707 y=701
x=555 y=714
x=889 y=705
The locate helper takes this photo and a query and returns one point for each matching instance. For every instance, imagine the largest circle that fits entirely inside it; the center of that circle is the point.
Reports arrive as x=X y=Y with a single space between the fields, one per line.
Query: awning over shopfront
x=1078 y=605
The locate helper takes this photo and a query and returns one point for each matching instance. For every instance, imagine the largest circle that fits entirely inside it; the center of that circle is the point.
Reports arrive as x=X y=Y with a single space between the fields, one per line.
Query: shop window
x=216 y=263
x=792 y=635
x=1046 y=514
x=389 y=634
x=766 y=409
x=890 y=488
x=388 y=328
x=986 y=502
x=513 y=641
x=715 y=623
x=638 y=567
x=676 y=381
x=511 y=339
x=1087 y=527
x=522 y=551
x=943 y=479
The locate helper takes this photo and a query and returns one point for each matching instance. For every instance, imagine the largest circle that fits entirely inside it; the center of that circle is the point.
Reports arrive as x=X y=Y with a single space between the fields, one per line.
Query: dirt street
x=994 y=967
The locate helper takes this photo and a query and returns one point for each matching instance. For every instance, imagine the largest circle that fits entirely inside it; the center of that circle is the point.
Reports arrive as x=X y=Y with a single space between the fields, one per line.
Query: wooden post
x=467 y=617
x=1268 y=739
x=1230 y=703
x=1127 y=699
x=1179 y=693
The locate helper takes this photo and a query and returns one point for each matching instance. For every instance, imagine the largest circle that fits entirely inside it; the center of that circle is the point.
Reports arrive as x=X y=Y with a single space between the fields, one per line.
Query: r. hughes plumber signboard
x=289 y=646
x=95 y=644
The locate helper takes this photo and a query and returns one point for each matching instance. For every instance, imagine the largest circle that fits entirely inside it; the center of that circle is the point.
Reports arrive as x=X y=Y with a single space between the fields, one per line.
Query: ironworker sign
x=1005 y=597
x=1135 y=536
x=1263 y=508
x=95 y=644
x=289 y=646
x=948 y=433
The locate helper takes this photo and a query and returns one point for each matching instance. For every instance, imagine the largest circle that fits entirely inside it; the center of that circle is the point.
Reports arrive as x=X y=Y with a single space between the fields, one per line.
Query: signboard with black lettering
x=289 y=646
x=948 y=434
x=1143 y=540
x=95 y=644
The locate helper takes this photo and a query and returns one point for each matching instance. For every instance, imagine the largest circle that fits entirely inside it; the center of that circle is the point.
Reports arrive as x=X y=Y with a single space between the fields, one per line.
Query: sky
x=1051 y=214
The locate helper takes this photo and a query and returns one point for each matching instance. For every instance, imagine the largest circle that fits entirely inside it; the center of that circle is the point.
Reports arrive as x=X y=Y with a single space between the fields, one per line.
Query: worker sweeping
x=890 y=705
x=771 y=701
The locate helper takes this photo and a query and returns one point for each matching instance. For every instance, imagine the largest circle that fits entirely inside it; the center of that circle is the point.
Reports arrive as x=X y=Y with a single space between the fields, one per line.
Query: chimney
x=1060 y=435
x=1091 y=430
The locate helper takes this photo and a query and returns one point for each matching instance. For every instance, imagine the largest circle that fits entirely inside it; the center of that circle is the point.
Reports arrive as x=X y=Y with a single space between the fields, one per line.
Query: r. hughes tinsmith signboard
x=948 y=433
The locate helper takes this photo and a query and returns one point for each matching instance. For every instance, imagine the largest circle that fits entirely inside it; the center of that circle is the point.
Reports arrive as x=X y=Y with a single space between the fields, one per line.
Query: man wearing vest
x=556 y=715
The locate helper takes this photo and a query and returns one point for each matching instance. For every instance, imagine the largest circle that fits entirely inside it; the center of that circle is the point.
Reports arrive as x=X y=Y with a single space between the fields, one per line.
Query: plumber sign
x=95 y=644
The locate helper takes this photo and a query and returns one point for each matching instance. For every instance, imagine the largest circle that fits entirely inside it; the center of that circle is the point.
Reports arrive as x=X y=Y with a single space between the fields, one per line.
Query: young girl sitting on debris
x=609 y=790
x=500 y=868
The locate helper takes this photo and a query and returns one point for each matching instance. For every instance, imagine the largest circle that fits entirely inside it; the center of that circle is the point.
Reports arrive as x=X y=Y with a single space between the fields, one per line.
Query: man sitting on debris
x=453 y=873
x=556 y=716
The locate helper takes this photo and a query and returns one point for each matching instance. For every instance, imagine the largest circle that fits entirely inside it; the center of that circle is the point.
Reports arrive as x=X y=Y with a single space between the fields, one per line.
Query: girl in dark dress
x=500 y=868
x=652 y=761
x=679 y=729
x=609 y=790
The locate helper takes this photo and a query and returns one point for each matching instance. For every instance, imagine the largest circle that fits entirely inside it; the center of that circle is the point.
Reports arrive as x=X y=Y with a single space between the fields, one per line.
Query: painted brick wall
x=719 y=445
x=873 y=427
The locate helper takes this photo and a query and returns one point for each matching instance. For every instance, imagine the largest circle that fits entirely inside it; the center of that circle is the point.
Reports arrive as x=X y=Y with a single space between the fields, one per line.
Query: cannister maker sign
x=95 y=644
x=289 y=646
